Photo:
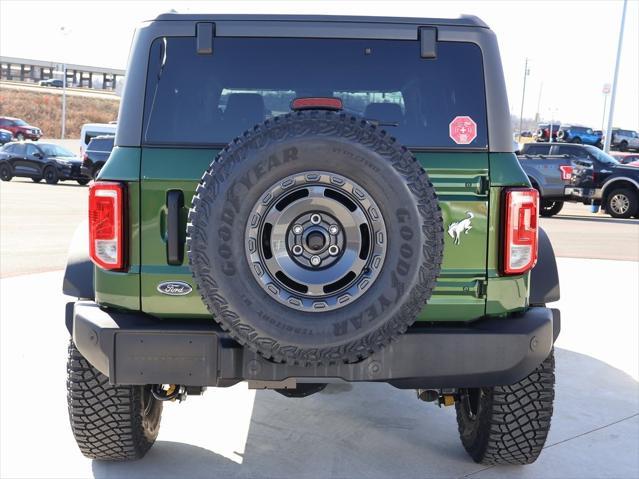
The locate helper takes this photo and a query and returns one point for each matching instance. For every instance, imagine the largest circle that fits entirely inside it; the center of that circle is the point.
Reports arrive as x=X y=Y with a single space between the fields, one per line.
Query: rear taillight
x=106 y=235
x=566 y=171
x=317 y=103
x=520 y=234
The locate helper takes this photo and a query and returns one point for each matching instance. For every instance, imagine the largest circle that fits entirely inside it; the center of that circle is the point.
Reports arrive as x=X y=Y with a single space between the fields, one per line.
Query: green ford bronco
x=298 y=200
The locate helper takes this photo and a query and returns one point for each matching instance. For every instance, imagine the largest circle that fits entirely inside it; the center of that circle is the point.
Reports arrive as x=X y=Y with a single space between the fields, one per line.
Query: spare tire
x=315 y=238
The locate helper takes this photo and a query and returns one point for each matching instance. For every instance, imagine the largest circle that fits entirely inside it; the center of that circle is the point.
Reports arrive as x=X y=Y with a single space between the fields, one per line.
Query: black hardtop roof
x=461 y=21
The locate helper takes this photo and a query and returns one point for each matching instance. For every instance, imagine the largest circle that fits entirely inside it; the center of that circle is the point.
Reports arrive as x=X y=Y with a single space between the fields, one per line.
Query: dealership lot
x=37 y=222
x=363 y=430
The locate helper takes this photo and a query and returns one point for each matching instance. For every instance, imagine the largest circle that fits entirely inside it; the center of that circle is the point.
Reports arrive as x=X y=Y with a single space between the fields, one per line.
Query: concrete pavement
x=367 y=430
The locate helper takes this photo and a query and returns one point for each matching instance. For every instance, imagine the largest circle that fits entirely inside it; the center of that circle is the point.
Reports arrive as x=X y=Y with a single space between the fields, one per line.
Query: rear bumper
x=583 y=194
x=71 y=172
x=133 y=348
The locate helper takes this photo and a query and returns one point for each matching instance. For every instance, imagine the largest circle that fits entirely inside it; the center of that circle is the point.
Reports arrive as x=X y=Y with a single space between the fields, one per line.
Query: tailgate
x=461 y=181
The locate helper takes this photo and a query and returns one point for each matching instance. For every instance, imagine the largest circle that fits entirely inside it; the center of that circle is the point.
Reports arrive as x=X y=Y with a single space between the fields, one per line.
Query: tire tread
x=106 y=419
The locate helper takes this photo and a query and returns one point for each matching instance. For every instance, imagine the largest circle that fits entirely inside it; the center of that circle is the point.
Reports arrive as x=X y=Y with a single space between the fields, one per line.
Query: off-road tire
x=50 y=175
x=550 y=208
x=5 y=173
x=633 y=202
x=111 y=423
x=240 y=177
x=509 y=424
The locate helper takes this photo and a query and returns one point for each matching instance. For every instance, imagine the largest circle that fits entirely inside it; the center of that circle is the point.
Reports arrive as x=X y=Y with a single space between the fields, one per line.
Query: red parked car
x=21 y=129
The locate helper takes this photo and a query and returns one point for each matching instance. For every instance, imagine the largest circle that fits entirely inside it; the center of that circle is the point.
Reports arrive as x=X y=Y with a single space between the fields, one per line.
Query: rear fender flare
x=78 y=274
x=544 y=277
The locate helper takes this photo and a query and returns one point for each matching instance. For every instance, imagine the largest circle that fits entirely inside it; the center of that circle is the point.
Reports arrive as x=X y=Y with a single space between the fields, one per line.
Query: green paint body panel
x=469 y=286
x=122 y=289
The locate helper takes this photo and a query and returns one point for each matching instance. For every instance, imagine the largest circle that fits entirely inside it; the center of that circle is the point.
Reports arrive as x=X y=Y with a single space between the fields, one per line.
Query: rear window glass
x=196 y=99
x=101 y=144
x=536 y=150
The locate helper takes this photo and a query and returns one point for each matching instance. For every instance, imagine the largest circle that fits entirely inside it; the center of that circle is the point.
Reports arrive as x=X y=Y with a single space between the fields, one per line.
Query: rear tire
x=50 y=175
x=96 y=172
x=5 y=173
x=550 y=208
x=112 y=423
x=622 y=203
x=508 y=424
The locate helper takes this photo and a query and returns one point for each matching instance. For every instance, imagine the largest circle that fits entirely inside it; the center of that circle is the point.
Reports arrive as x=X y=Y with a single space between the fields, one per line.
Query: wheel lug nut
x=316 y=219
x=316 y=260
x=298 y=230
x=333 y=250
x=297 y=250
x=333 y=229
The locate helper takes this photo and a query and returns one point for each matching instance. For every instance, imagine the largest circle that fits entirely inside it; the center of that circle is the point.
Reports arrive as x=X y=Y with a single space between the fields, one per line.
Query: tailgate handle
x=174 y=203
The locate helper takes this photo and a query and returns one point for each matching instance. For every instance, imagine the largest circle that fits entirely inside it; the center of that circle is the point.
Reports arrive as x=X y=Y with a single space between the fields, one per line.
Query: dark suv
x=96 y=155
x=296 y=200
x=42 y=161
x=21 y=129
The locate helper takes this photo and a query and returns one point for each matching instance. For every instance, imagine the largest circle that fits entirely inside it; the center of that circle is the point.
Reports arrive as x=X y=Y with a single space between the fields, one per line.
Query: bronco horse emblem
x=462 y=226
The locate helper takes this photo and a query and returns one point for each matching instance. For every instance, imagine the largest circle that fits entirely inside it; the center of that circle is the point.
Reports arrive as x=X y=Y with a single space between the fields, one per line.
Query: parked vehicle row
x=41 y=161
x=581 y=173
x=622 y=140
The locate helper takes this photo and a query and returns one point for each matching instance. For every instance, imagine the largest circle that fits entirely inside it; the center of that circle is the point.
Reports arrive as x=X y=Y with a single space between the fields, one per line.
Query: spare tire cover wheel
x=315 y=238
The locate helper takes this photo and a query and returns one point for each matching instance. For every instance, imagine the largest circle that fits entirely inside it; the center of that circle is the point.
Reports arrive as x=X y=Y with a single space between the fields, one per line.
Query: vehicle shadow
x=599 y=219
x=375 y=430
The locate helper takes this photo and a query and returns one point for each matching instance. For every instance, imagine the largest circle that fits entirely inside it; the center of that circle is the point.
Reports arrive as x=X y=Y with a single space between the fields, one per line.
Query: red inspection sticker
x=462 y=130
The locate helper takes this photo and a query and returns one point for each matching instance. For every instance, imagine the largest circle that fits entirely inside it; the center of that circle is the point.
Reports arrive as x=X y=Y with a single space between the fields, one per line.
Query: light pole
x=541 y=90
x=605 y=90
x=613 y=96
x=523 y=96
x=552 y=122
x=65 y=32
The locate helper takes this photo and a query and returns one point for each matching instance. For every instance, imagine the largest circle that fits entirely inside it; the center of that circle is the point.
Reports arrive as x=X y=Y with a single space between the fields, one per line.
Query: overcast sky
x=571 y=44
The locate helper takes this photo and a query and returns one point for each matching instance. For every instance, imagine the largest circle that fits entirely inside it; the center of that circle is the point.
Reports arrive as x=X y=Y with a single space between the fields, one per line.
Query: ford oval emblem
x=174 y=288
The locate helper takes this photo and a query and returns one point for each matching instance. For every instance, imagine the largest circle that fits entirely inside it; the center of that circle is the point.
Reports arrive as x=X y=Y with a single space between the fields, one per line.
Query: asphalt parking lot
x=346 y=431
